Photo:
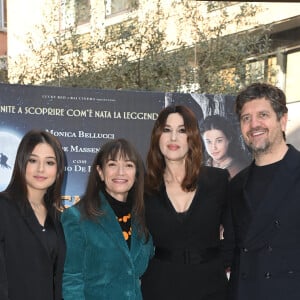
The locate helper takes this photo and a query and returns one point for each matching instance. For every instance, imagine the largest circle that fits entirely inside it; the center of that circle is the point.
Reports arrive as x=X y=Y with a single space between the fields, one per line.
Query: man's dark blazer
x=26 y=270
x=267 y=254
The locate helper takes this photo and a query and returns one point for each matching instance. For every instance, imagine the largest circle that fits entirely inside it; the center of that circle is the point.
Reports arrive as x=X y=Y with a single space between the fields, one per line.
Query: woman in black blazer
x=184 y=205
x=32 y=246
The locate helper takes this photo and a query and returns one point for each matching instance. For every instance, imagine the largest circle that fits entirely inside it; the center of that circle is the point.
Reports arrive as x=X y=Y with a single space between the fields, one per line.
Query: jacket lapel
x=31 y=222
x=136 y=242
x=242 y=210
x=109 y=223
x=275 y=202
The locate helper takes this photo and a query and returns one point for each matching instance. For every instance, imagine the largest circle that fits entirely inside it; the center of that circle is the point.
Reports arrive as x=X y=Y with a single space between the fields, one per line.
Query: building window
x=3 y=14
x=82 y=11
x=75 y=12
x=118 y=6
x=292 y=77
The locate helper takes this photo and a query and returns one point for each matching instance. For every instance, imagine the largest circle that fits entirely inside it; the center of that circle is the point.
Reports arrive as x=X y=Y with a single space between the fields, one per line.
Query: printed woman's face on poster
x=216 y=144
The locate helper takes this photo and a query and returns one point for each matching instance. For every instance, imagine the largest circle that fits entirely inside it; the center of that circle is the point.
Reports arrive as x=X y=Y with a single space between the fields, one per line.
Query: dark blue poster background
x=84 y=119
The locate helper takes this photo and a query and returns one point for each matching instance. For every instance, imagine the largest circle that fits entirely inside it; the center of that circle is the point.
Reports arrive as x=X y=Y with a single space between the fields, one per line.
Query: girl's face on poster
x=173 y=142
x=216 y=144
x=41 y=169
x=118 y=176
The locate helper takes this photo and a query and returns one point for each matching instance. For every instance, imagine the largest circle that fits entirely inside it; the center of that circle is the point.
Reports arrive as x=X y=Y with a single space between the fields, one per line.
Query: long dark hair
x=155 y=160
x=90 y=202
x=17 y=187
x=220 y=123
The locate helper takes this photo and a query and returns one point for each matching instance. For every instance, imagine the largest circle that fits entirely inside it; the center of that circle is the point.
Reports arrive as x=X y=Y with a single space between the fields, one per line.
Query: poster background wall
x=84 y=119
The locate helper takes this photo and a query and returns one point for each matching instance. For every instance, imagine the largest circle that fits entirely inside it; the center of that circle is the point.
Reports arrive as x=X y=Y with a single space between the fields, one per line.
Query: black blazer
x=267 y=254
x=187 y=239
x=26 y=270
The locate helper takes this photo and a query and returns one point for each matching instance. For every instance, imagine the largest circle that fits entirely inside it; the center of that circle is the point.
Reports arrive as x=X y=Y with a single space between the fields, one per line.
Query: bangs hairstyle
x=120 y=149
x=90 y=203
x=155 y=160
x=17 y=188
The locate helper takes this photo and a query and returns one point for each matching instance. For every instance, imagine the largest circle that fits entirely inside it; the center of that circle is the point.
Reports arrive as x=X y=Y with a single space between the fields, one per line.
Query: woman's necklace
x=36 y=206
x=40 y=212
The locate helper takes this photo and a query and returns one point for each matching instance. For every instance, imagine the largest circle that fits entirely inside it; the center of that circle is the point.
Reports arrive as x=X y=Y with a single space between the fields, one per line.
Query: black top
x=258 y=182
x=31 y=261
x=47 y=235
x=122 y=211
x=187 y=263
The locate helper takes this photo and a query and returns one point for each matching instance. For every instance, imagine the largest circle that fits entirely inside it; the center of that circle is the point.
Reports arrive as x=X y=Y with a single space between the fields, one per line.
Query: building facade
x=90 y=16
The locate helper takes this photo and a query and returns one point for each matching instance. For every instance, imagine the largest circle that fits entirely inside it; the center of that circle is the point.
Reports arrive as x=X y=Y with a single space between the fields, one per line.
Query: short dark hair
x=262 y=90
x=268 y=91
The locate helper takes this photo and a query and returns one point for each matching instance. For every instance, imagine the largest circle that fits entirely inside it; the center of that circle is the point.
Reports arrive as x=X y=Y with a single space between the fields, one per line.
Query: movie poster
x=84 y=119
x=223 y=145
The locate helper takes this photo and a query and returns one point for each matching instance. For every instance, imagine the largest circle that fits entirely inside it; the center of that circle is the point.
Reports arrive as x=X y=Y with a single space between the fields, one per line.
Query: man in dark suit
x=265 y=202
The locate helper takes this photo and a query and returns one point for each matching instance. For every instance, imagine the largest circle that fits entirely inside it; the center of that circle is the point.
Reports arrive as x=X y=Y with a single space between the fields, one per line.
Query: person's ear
x=100 y=172
x=283 y=121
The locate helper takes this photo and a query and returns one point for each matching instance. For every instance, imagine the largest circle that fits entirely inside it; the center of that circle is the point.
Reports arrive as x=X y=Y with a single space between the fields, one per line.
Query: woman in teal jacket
x=108 y=245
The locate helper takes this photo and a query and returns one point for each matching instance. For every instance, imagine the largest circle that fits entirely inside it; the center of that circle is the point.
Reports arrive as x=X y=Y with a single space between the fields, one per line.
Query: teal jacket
x=99 y=265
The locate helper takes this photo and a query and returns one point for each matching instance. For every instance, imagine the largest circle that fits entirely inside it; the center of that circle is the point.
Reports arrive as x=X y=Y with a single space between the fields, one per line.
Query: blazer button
x=268 y=275
x=277 y=223
x=245 y=250
x=269 y=249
